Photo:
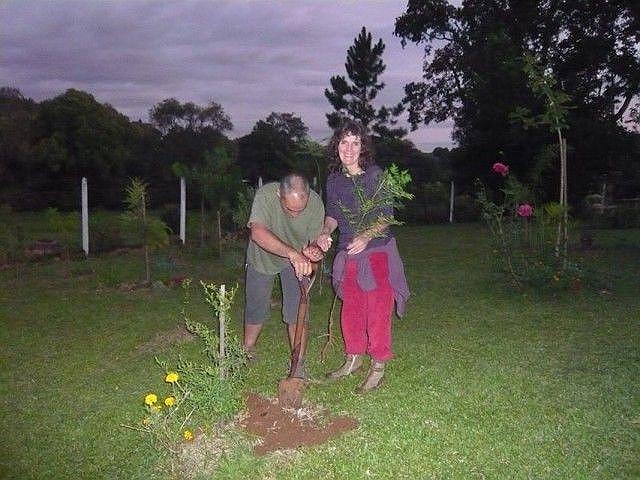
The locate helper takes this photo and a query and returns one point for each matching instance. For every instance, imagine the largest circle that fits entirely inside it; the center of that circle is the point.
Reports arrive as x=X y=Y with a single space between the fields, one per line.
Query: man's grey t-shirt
x=296 y=231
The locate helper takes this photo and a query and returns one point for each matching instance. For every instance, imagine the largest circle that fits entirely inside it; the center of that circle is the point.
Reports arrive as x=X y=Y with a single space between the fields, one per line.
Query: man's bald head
x=294 y=194
x=294 y=183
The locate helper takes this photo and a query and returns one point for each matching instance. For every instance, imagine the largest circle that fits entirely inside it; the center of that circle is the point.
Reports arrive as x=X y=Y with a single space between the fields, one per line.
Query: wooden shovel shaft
x=305 y=285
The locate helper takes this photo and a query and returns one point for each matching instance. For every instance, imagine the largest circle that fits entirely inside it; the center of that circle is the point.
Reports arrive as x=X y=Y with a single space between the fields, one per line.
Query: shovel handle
x=305 y=284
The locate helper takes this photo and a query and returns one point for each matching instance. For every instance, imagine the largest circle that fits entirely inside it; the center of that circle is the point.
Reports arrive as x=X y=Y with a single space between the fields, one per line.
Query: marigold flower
x=172 y=377
x=500 y=168
x=188 y=435
x=150 y=399
x=170 y=401
x=525 y=210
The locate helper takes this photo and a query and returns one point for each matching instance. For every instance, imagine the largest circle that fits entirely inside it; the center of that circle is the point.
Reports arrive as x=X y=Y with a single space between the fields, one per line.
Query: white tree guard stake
x=222 y=334
x=85 y=217
x=219 y=235
x=259 y=182
x=183 y=210
x=451 y=203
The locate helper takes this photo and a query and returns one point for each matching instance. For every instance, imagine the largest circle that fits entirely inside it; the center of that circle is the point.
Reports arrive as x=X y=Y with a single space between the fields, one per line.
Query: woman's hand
x=358 y=244
x=324 y=241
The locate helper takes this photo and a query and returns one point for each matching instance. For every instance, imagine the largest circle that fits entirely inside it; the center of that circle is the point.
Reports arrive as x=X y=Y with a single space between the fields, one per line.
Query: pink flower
x=525 y=210
x=501 y=168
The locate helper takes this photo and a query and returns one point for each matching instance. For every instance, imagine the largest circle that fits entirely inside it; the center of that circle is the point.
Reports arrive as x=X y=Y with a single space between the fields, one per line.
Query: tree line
x=473 y=74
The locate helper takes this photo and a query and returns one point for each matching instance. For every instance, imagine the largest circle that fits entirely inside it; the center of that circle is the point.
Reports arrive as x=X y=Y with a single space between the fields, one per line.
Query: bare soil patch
x=283 y=429
x=177 y=335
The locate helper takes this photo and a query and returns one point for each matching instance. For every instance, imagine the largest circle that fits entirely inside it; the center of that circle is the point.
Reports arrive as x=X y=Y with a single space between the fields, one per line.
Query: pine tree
x=353 y=98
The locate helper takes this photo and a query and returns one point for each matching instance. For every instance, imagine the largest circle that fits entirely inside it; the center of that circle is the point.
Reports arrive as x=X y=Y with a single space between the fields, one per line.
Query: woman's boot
x=374 y=378
x=352 y=364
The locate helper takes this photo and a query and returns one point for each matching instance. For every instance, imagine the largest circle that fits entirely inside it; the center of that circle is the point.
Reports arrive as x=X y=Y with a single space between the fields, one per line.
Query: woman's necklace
x=348 y=174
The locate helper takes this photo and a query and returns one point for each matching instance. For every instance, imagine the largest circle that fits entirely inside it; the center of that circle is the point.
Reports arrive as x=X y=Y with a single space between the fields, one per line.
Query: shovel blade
x=290 y=392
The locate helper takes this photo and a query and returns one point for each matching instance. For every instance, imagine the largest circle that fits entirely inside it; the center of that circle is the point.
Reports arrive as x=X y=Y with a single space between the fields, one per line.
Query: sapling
x=152 y=232
x=556 y=102
x=389 y=192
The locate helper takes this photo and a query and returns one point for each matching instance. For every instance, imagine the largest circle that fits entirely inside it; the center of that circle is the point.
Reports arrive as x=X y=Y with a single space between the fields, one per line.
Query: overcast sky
x=252 y=57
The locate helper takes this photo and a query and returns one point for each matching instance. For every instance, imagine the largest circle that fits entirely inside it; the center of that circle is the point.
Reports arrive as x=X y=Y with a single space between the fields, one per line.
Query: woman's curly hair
x=350 y=127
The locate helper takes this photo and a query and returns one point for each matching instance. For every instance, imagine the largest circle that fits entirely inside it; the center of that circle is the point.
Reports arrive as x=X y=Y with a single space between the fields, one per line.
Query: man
x=285 y=218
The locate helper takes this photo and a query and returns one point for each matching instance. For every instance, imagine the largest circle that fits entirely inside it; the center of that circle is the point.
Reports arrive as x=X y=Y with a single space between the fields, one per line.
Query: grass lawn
x=487 y=383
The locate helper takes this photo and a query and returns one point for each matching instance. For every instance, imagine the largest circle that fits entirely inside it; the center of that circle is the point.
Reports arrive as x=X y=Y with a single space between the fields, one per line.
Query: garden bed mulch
x=285 y=429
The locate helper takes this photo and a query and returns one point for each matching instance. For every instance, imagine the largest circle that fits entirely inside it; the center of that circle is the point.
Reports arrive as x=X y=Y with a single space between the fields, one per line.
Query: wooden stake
x=146 y=247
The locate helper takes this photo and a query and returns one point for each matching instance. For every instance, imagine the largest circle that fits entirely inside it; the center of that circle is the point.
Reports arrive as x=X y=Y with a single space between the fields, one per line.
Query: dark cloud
x=251 y=57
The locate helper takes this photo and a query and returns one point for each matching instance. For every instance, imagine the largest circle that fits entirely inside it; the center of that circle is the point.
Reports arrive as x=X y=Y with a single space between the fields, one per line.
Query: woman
x=367 y=272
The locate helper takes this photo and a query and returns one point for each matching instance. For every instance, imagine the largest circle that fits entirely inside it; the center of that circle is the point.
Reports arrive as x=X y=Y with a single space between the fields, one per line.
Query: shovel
x=291 y=389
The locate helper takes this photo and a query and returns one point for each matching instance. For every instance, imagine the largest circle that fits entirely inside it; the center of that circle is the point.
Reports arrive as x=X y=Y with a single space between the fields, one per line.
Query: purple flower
x=501 y=168
x=525 y=210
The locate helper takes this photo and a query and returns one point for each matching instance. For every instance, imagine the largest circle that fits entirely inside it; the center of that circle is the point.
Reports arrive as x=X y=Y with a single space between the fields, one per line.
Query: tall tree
x=288 y=125
x=17 y=117
x=170 y=114
x=353 y=98
x=270 y=149
x=46 y=147
x=474 y=75
x=190 y=133
x=77 y=136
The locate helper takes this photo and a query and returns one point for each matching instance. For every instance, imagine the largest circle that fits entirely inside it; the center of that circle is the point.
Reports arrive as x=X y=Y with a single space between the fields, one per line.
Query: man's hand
x=301 y=264
x=313 y=252
x=358 y=244
x=324 y=241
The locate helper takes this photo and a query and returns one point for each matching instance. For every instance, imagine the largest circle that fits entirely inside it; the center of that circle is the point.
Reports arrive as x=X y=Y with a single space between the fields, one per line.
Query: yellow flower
x=150 y=399
x=188 y=435
x=170 y=401
x=172 y=377
x=156 y=408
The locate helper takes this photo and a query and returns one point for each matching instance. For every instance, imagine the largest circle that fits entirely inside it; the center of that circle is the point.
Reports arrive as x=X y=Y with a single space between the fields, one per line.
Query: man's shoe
x=374 y=378
x=352 y=364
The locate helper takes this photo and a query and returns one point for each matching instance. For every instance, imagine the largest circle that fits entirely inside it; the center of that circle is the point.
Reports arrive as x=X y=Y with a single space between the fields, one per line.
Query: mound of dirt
x=282 y=429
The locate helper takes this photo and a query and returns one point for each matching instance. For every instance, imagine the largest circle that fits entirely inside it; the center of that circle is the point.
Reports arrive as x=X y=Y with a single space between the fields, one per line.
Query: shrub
x=242 y=208
x=523 y=237
x=200 y=392
x=106 y=233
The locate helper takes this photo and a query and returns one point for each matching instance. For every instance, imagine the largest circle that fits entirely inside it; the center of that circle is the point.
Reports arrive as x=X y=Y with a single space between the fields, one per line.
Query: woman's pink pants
x=366 y=316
